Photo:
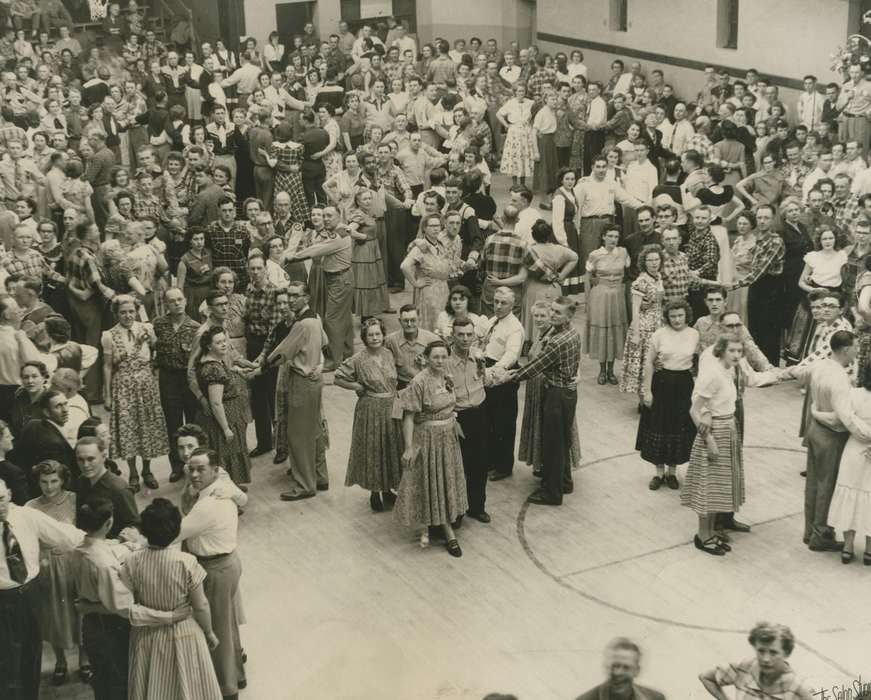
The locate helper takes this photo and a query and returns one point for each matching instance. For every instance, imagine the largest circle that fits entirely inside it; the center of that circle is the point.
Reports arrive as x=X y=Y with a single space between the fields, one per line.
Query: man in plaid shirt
x=675 y=267
x=26 y=261
x=558 y=361
x=261 y=314
x=229 y=241
x=506 y=261
x=703 y=255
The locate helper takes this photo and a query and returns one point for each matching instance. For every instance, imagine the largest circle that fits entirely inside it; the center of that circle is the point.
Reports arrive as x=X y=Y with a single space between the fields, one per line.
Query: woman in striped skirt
x=715 y=478
x=169 y=662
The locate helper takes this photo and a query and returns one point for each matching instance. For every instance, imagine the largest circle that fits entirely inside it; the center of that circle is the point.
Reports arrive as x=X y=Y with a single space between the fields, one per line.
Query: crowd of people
x=192 y=233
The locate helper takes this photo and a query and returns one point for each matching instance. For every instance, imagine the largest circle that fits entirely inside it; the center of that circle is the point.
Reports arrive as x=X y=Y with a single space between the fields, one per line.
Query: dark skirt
x=665 y=430
x=546 y=167
x=574 y=283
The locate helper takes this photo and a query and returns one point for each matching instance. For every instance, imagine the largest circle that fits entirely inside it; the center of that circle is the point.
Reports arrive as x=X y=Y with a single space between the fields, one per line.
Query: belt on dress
x=728 y=417
x=443 y=421
x=598 y=216
x=380 y=395
x=336 y=272
x=212 y=557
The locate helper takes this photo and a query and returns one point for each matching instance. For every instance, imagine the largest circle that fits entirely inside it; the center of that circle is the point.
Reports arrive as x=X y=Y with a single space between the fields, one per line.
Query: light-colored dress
x=433 y=266
x=649 y=319
x=543 y=285
x=742 y=258
x=59 y=621
x=333 y=160
x=851 y=502
x=607 y=318
x=136 y=425
x=374 y=462
x=433 y=489
x=370 y=288
x=169 y=661
x=518 y=147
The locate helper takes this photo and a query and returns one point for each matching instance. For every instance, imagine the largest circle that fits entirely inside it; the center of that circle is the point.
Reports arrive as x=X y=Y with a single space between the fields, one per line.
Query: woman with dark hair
x=284 y=156
x=606 y=304
x=665 y=430
x=169 y=661
x=331 y=155
x=714 y=481
x=353 y=122
x=578 y=103
x=559 y=261
x=58 y=617
x=273 y=53
x=544 y=126
x=520 y=150
x=731 y=154
x=130 y=391
x=768 y=675
x=647 y=293
x=822 y=267
x=565 y=212
x=376 y=438
x=457 y=308
x=226 y=421
x=370 y=288
x=432 y=492
x=766 y=186
x=34 y=377
x=195 y=272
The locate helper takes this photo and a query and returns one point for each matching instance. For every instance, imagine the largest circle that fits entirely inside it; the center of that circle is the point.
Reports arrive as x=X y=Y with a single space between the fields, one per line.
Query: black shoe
x=176 y=476
x=672 y=483
x=612 y=379
x=458 y=523
x=568 y=489
x=539 y=499
x=825 y=545
x=866 y=559
x=498 y=476
x=723 y=542
x=804 y=474
x=59 y=677
x=536 y=473
x=375 y=502
x=655 y=483
x=323 y=487
x=735 y=525
x=85 y=673
x=602 y=379
x=279 y=457
x=149 y=481
x=293 y=496
x=388 y=498
x=258 y=451
x=481 y=517
x=133 y=483
x=242 y=683
x=454 y=549
x=847 y=557
x=709 y=546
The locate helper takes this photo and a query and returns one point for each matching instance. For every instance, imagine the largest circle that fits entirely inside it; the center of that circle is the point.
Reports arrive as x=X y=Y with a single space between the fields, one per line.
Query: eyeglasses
x=733 y=325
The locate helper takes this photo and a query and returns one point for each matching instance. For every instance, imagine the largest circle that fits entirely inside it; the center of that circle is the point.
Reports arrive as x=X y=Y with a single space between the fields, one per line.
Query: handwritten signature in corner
x=855 y=690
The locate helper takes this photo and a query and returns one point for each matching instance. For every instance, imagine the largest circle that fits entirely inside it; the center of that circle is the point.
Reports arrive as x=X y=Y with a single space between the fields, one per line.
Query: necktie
x=14 y=557
x=19 y=176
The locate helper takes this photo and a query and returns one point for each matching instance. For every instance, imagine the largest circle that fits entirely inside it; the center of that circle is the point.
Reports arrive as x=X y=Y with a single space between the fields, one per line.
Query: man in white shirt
x=823 y=170
x=510 y=72
x=810 y=104
x=22 y=531
x=641 y=175
x=521 y=197
x=15 y=349
x=597 y=117
x=404 y=42
x=210 y=531
x=245 y=78
x=681 y=133
x=502 y=347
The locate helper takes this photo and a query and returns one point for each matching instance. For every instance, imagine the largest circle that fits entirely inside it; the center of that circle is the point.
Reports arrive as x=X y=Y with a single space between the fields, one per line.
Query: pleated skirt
x=665 y=430
x=605 y=332
x=715 y=484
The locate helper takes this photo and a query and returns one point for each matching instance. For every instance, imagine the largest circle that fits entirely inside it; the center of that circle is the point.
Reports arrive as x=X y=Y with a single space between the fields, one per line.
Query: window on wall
x=619 y=21
x=375 y=12
x=727 y=24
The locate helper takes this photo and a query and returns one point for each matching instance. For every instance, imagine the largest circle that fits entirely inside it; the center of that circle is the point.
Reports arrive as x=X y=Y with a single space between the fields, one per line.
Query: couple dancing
x=838 y=440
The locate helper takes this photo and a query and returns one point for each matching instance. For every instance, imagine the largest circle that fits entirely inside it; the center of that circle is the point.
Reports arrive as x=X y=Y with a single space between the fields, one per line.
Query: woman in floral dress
x=646 y=317
x=433 y=487
x=742 y=259
x=130 y=392
x=332 y=159
x=284 y=157
x=427 y=267
x=376 y=438
x=227 y=421
x=370 y=288
x=520 y=149
x=577 y=104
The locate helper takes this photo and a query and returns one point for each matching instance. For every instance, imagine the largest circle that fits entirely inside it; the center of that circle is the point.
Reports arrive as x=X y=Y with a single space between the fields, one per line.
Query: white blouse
x=515 y=112
x=675 y=349
x=825 y=267
x=716 y=384
x=545 y=121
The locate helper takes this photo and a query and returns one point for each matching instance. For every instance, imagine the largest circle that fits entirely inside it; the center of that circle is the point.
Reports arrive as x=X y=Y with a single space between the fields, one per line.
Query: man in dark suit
x=43 y=438
x=96 y=481
x=314 y=140
x=624 y=663
x=653 y=138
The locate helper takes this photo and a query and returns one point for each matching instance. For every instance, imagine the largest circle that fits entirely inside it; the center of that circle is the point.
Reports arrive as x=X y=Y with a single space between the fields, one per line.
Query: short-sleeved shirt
x=826 y=269
x=745 y=677
x=716 y=384
x=429 y=397
x=675 y=349
x=406 y=352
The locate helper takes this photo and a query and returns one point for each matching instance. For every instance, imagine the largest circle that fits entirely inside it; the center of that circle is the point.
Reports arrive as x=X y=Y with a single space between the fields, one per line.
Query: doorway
x=290 y=17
